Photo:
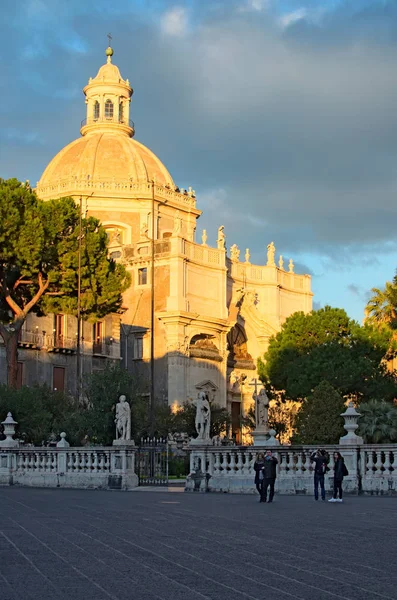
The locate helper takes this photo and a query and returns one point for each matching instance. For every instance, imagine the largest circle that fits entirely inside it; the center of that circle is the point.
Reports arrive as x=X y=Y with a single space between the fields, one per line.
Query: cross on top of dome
x=109 y=49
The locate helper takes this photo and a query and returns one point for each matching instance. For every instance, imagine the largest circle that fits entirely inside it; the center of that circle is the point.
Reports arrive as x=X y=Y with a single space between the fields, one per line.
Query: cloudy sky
x=281 y=114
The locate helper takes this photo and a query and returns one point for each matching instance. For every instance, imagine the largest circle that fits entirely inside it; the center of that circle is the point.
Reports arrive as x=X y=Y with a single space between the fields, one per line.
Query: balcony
x=50 y=342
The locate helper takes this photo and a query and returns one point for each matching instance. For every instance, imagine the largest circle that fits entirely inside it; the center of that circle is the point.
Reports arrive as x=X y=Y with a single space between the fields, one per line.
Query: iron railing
x=110 y=120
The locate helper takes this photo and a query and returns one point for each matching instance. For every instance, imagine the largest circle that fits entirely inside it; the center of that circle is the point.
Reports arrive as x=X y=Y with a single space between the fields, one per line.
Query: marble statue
x=262 y=409
x=204 y=237
x=291 y=266
x=177 y=223
x=203 y=416
x=123 y=419
x=247 y=255
x=234 y=253
x=221 y=241
x=281 y=262
x=271 y=250
x=116 y=237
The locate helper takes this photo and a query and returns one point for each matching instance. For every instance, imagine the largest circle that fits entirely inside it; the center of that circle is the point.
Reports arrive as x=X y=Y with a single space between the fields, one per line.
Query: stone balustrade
x=372 y=469
x=83 y=467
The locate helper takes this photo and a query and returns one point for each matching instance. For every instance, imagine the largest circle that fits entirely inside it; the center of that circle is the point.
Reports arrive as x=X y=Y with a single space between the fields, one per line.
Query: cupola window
x=96 y=110
x=121 y=113
x=108 y=109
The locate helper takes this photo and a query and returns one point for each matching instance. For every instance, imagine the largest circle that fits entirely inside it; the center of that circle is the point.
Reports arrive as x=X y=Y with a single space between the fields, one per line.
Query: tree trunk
x=12 y=359
x=10 y=337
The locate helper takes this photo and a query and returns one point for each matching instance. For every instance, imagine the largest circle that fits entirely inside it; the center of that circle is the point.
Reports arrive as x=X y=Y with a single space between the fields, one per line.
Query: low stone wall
x=84 y=468
x=372 y=469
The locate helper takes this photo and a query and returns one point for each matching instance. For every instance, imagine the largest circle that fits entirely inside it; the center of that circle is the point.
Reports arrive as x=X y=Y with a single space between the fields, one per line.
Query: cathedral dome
x=105 y=157
x=98 y=159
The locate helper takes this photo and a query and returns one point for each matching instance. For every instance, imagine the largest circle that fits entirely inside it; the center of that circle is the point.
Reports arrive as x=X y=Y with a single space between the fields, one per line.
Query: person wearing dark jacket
x=270 y=474
x=259 y=466
x=320 y=459
x=340 y=471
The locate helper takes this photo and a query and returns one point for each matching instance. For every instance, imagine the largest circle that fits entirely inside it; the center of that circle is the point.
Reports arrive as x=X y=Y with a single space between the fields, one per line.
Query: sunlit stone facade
x=214 y=310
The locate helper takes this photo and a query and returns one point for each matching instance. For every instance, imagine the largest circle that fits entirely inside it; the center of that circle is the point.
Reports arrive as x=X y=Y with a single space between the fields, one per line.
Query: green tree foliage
x=381 y=309
x=39 y=264
x=318 y=420
x=40 y=412
x=325 y=345
x=378 y=422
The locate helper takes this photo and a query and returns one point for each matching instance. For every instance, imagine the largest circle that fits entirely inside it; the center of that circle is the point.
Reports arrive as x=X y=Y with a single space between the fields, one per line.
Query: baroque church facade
x=213 y=310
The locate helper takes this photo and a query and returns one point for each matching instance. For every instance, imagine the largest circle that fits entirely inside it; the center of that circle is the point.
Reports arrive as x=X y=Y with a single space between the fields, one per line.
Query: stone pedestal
x=200 y=442
x=123 y=442
x=260 y=436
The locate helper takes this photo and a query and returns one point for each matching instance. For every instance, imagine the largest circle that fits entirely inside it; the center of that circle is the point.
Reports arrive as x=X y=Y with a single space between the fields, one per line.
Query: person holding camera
x=270 y=474
x=320 y=458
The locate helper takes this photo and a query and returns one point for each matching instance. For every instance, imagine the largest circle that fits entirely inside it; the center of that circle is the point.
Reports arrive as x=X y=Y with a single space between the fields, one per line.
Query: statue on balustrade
x=271 y=251
x=262 y=409
x=123 y=419
x=203 y=416
x=221 y=241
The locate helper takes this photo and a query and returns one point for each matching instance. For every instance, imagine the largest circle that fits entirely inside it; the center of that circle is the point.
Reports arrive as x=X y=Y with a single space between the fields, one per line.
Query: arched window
x=108 y=109
x=121 y=113
x=96 y=110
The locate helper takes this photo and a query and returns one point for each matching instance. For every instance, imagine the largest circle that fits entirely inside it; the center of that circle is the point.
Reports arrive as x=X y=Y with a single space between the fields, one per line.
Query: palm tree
x=381 y=308
x=378 y=422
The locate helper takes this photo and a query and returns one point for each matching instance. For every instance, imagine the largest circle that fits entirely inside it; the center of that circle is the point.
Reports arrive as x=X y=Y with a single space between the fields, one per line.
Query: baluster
x=211 y=459
x=108 y=461
x=239 y=463
x=222 y=463
x=379 y=464
x=387 y=463
x=89 y=462
x=95 y=462
x=370 y=463
x=217 y=463
x=69 y=461
x=299 y=464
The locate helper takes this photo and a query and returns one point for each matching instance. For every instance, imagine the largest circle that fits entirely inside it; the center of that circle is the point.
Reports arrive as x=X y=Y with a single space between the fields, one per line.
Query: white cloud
x=254 y=5
x=292 y=17
x=175 y=22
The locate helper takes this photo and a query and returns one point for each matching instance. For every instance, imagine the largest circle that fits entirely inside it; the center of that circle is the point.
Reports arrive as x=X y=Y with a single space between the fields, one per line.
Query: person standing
x=340 y=471
x=270 y=473
x=259 y=466
x=320 y=458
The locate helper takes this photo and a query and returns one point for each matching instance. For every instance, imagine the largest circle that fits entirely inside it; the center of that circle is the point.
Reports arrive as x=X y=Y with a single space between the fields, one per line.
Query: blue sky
x=281 y=115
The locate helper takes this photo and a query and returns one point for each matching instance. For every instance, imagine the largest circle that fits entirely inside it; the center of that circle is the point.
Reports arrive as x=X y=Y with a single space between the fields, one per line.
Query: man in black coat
x=320 y=458
x=270 y=474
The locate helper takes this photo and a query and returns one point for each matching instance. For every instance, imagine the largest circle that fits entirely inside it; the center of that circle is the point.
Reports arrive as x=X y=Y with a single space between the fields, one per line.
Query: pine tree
x=318 y=420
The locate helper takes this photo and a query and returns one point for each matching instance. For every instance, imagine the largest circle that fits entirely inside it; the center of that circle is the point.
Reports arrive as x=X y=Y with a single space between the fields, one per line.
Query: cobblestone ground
x=82 y=545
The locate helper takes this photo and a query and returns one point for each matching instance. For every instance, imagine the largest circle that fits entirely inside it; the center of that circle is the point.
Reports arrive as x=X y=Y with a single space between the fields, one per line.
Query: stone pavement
x=81 y=545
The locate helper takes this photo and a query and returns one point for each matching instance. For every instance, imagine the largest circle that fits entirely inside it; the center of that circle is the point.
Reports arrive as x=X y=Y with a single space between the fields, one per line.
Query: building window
x=97 y=337
x=137 y=353
x=20 y=375
x=121 y=113
x=142 y=276
x=108 y=109
x=58 y=378
x=96 y=110
x=59 y=331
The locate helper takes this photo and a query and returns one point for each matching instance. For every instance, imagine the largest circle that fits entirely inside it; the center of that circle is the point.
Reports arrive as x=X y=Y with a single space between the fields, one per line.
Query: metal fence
x=152 y=462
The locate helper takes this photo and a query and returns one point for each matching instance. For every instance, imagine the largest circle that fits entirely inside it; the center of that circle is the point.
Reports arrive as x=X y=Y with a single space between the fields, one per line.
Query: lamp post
x=78 y=345
x=151 y=417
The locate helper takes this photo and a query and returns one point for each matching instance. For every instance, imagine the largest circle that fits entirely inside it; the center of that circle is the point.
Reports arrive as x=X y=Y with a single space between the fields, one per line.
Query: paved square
x=82 y=545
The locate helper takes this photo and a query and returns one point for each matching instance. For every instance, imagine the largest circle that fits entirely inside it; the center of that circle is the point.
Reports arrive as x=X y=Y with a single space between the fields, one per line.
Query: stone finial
x=271 y=251
x=62 y=442
x=291 y=266
x=9 y=431
x=281 y=262
x=204 y=237
x=234 y=253
x=247 y=255
x=351 y=417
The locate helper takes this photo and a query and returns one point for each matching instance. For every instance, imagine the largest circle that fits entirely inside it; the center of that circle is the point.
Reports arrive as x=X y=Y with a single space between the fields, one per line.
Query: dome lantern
x=108 y=98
